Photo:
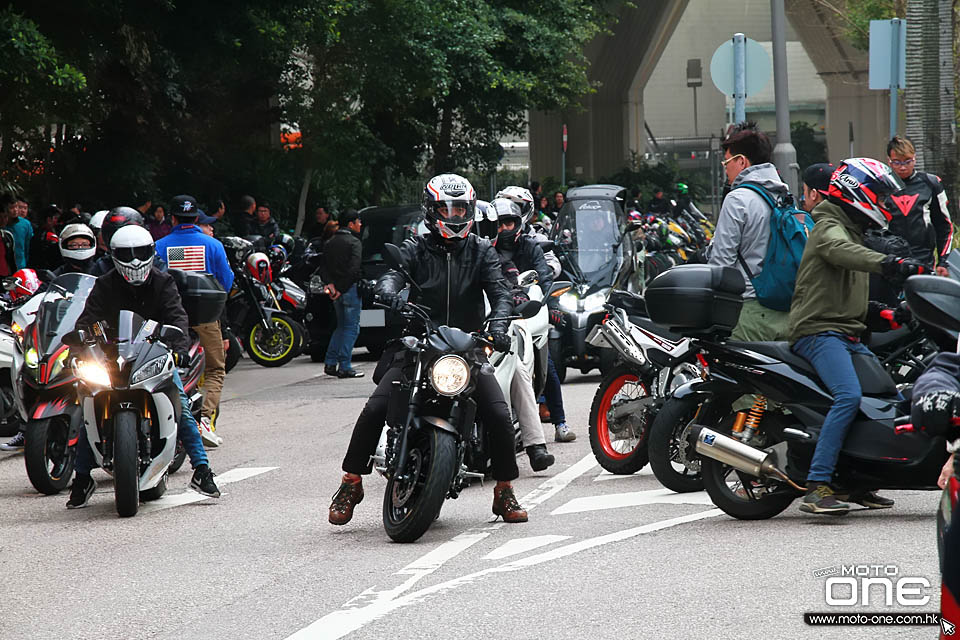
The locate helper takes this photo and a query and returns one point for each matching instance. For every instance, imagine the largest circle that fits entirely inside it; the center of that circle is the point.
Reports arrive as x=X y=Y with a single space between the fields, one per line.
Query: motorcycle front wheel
x=673 y=460
x=126 y=464
x=414 y=495
x=47 y=455
x=619 y=444
x=278 y=345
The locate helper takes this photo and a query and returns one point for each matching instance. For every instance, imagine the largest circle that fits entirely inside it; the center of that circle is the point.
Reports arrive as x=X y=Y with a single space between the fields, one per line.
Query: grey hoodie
x=744 y=222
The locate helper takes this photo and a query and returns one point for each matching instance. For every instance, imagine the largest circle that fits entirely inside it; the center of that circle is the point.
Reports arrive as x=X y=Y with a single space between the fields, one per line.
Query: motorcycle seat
x=648 y=325
x=778 y=351
x=882 y=340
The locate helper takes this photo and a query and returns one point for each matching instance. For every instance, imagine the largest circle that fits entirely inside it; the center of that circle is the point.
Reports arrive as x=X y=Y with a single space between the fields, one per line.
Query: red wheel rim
x=603 y=429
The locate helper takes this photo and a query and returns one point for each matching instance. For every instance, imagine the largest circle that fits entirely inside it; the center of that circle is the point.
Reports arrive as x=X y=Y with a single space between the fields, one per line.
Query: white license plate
x=373 y=318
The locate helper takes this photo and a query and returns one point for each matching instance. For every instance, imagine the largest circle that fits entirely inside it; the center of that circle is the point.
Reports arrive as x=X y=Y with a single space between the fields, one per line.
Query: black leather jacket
x=527 y=254
x=453 y=281
x=921 y=217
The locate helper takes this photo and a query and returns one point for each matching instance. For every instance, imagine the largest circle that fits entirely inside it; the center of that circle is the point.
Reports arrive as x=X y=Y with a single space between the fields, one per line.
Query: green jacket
x=833 y=281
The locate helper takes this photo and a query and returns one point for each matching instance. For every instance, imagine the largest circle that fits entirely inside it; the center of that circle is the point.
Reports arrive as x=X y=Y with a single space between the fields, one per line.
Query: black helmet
x=287 y=242
x=117 y=218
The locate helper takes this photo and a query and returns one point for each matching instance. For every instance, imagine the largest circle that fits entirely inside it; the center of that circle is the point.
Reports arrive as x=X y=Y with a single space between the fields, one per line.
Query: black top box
x=202 y=296
x=696 y=300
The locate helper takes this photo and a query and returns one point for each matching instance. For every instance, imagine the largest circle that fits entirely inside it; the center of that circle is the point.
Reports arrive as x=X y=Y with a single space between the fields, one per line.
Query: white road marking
x=344 y=621
x=522 y=545
x=606 y=475
x=556 y=484
x=631 y=499
x=189 y=497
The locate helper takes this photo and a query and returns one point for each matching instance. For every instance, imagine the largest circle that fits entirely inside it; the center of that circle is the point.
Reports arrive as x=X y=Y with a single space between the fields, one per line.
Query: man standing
x=321 y=218
x=264 y=225
x=342 y=271
x=188 y=248
x=743 y=226
x=658 y=205
x=816 y=182
x=245 y=217
x=22 y=232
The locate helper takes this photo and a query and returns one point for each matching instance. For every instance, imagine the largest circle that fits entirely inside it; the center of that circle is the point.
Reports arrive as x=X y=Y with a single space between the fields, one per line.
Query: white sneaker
x=208 y=435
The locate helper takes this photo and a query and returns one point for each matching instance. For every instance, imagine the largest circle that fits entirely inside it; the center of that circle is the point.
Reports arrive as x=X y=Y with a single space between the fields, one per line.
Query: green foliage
x=810 y=150
x=857 y=16
x=647 y=176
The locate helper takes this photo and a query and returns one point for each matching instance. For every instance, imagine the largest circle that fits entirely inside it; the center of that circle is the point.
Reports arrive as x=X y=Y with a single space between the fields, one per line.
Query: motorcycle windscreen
x=59 y=309
x=132 y=331
x=587 y=234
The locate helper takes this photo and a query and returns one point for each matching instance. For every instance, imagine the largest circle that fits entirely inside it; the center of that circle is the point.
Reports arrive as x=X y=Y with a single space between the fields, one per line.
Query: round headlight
x=450 y=375
x=568 y=301
x=31 y=358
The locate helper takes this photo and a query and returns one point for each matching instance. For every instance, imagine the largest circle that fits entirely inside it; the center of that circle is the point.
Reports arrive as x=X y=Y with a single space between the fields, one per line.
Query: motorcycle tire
x=556 y=349
x=302 y=344
x=742 y=507
x=233 y=354
x=126 y=464
x=668 y=446
x=179 y=455
x=376 y=350
x=617 y=460
x=48 y=458
x=155 y=493
x=409 y=510
x=282 y=341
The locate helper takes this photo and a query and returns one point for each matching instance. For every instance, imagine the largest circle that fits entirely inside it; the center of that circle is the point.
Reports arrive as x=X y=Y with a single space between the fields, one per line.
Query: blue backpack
x=789 y=229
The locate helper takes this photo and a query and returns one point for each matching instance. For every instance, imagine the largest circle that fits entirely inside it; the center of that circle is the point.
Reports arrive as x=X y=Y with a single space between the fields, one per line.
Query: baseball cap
x=203 y=218
x=817 y=176
x=184 y=207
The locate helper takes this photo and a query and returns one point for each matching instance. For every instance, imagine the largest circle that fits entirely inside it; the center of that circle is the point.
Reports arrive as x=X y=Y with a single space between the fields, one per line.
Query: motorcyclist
x=830 y=307
x=116 y=219
x=523 y=199
x=77 y=248
x=188 y=248
x=136 y=285
x=453 y=269
x=96 y=222
x=504 y=216
x=26 y=285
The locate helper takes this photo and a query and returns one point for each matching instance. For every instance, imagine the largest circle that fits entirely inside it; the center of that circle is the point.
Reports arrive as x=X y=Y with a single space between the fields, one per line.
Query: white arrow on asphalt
x=606 y=475
x=632 y=499
x=189 y=497
x=522 y=545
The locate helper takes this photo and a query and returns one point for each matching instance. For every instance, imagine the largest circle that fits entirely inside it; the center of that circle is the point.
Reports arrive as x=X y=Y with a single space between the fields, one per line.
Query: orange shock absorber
x=739 y=421
x=754 y=416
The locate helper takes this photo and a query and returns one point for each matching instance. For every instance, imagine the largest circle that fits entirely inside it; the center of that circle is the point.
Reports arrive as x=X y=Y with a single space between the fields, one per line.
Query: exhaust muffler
x=619 y=339
x=740 y=456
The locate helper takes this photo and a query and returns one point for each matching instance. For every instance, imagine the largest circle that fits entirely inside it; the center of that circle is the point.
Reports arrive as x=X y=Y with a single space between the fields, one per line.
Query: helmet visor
x=129 y=254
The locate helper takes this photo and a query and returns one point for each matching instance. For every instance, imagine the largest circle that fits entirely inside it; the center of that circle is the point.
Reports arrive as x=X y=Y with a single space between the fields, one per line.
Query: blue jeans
x=187 y=433
x=344 y=337
x=830 y=353
x=553 y=394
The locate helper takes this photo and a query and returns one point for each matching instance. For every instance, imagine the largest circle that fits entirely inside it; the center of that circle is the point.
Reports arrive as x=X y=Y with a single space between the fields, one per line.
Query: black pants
x=491 y=409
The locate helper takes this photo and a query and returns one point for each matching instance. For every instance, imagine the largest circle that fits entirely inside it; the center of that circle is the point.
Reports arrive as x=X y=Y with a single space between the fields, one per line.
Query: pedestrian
x=635 y=202
x=342 y=271
x=743 y=226
x=245 y=216
x=221 y=225
x=19 y=225
x=658 y=205
x=157 y=223
x=320 y=219
x=144 y=207
x=45 y=246
x=558 y=202
x=264 y=225
x=188 y=248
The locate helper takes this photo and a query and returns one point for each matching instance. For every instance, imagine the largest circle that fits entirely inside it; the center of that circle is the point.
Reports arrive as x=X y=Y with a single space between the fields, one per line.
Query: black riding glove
x=933 y=412
x=894 y=267
x=501 y=341
x=181 y=358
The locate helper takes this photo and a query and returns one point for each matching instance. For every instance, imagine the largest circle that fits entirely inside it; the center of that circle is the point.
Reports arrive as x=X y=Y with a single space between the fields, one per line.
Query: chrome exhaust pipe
x=740 y=456
x=620 y=339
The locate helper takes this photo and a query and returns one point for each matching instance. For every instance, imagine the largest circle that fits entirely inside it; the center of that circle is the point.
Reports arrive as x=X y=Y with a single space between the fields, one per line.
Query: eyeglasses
x=902 y=163
x=731 y=159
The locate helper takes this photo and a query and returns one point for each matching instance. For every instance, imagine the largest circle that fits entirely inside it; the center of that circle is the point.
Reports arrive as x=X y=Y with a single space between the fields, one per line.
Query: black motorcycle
x=754 y=463
x=434 y=445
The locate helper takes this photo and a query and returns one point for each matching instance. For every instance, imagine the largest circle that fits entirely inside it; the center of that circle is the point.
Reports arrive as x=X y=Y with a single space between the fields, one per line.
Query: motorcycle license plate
x=373 y=318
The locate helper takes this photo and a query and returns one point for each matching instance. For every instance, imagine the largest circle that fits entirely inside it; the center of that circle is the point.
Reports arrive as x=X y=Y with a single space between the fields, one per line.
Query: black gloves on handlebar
x=933 y=412
x=391 y=300
x=894 y=267
x=181 y=358
x=500 y=340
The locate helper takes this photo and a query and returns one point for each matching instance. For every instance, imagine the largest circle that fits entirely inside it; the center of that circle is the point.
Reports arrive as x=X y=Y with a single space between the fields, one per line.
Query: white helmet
x=485 y=221
x=522 y=197
x=132 y=251
x=97 y=220
x=449 y=204
x=77 y=230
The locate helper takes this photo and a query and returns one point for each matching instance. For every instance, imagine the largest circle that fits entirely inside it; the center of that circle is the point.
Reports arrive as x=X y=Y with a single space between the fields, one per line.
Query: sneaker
x=13 y=444
x=330 y=370
x=871 y=500
x=544 y=413
x=83 y=488
x=820 y=498
x=202 y=482
x=349 y=495
x=506 y=506
x=563 y=433
x=210 y=438
x=349 y=373
x=539 y=458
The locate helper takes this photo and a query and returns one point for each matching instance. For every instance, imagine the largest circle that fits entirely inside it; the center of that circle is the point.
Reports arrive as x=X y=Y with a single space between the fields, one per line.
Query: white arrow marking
x=522 y=545
x=556 y=484
x=606 y=475
x=189 y=497
x=632 y=499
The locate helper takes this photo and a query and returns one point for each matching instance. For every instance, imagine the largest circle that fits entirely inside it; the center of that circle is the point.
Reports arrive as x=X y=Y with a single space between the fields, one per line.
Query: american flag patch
x=187 y=258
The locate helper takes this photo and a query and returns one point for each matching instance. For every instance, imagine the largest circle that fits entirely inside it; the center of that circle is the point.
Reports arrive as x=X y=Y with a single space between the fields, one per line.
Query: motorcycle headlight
x=147 y=371
x=59 y=364
x=450 y=375
x=568 y=301
x=92 y=373
x=595 y=300
x=31 y=359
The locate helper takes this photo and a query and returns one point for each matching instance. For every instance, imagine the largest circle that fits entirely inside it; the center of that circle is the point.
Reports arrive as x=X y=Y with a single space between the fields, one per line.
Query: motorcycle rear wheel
x=276 y=347
x=233 y=353
x=672 y=458
x=126 y=464
x=47 y=455
x=632 y=455
x=410 y=507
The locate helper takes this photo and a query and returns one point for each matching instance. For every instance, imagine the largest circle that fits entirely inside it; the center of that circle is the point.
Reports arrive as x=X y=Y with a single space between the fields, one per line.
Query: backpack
x=789 y=229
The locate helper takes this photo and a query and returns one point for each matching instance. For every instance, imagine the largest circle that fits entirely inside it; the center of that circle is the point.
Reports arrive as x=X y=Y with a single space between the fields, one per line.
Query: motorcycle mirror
x=934 y=300
x=559 y=287
x=547 y=245
x=45 y=275
x=529 y=309
x=170 y=332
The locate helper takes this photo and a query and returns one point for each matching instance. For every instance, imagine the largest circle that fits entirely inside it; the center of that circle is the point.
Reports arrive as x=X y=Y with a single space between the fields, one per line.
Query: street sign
x=564 y=138
x=757 y=67
x=694 y=73
x=885 y=71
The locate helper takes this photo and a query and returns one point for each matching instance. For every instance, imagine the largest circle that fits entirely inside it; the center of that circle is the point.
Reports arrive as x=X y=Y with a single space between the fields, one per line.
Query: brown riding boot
x=349 y=495
x=506 y=506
